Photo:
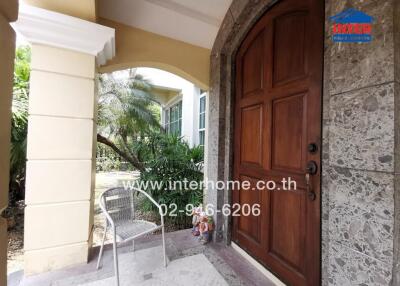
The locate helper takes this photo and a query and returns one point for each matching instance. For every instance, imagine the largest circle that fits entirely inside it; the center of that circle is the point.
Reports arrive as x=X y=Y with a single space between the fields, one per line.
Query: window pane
x=173 y=128
x=202 y=137
x=179 y=111
x=202 y=104
x=202 y=121
x=174 y=119
x=167 y=118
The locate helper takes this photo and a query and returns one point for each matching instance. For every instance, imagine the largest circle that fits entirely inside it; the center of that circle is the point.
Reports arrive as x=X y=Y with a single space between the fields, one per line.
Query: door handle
x=311 y=169
x=310 y=193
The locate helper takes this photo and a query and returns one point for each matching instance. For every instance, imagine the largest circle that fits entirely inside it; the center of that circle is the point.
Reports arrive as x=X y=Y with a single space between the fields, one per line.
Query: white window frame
x=167 y=113
x=203 y=95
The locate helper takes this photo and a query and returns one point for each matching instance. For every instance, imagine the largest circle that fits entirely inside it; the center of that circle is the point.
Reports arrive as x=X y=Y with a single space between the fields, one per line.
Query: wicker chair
x=119 y=206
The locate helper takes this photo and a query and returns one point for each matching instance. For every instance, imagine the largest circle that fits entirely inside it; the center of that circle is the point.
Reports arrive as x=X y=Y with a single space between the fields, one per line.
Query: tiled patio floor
x=190 y=263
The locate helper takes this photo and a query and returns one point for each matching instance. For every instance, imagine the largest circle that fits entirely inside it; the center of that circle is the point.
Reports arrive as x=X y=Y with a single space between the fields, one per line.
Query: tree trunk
x=128 y=157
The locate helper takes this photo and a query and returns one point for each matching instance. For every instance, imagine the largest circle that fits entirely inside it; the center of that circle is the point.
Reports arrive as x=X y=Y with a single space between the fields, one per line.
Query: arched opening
x=143 y=109
x=201 y=83
x=139 y=48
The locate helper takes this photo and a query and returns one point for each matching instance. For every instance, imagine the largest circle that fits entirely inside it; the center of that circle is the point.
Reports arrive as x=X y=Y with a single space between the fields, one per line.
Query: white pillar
x=61 y=136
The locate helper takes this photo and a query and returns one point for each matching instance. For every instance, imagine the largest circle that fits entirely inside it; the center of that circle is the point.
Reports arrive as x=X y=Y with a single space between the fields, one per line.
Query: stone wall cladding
x=360 y=146
x=396 y=32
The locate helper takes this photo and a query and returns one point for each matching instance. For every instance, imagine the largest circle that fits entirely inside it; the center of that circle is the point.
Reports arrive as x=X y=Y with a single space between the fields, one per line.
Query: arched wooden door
x=278 y=135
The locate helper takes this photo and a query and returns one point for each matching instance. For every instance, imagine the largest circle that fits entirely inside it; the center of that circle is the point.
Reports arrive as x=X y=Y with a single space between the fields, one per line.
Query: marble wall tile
x=396 y=18
x=218 y=86
x=397 y=124
x=348 y=268
x=361 y=133
x=356 y=65
x=396 y=246
x=243 y=10
x=325 y=224
x=328 y=44
x=237 y=7
x=325 y=142
x=224 y=33
x=396 y=257
x=212 y=167
x=361 y=214
x=325 y=178
x=216 y=136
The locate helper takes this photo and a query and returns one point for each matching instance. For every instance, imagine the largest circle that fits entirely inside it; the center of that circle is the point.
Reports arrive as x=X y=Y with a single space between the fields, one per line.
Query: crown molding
x=40 y=26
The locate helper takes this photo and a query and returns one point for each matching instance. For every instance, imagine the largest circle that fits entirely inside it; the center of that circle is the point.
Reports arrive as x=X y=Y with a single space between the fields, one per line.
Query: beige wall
x=138 y=48
x=84 y=9
x=8 y=13
x=163 y=95
x=61 y=144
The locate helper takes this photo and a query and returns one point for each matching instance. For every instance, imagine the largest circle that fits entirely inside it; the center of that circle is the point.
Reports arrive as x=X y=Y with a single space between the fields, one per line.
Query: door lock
x=311 y=167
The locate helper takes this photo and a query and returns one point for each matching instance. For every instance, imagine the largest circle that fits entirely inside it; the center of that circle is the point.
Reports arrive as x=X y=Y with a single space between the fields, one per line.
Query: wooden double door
x=278 y=136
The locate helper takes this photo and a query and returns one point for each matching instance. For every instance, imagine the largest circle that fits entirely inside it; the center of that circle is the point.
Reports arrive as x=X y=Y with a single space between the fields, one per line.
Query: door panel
x=253 y=71
x=248 y=225
x=288 y=141
x=289 y=50
x=251 y=136
x=277 y=114
x=288 y=246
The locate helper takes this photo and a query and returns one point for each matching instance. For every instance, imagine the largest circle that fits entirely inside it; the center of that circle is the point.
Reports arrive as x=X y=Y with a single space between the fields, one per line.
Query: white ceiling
x=191 y=21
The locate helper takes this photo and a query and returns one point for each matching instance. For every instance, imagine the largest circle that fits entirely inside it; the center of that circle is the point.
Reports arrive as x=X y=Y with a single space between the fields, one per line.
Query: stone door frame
x=240 y=17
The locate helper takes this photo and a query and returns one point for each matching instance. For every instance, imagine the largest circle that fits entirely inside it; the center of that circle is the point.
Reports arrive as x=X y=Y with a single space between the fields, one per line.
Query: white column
x=61 y=136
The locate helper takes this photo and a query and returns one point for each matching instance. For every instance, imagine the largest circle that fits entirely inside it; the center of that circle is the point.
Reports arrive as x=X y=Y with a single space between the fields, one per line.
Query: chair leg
x=116 y=259
x=163 y=242
x=101 y=248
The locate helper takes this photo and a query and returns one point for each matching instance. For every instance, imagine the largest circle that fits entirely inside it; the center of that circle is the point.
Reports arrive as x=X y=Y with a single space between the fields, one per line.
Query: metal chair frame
x=113 y=223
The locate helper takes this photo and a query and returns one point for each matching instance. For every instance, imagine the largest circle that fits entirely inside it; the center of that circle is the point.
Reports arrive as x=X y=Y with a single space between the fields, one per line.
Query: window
x=174 y=119
x=202 y=120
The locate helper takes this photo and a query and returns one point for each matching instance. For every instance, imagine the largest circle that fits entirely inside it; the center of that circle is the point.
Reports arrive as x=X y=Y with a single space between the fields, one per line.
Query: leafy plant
x=106 y=159
x=169 y=159
x=128 y=122
x=126 y=108
x=19 y=123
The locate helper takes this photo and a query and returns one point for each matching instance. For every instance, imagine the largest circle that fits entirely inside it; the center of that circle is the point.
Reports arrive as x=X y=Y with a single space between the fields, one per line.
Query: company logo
x=352 y=26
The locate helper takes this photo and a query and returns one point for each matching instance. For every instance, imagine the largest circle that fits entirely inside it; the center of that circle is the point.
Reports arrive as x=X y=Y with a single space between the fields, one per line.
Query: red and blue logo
x=352 y=26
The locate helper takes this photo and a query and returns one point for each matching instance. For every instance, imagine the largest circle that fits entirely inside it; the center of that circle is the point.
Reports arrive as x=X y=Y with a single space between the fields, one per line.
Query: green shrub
x=107 y=160
x=170 y=159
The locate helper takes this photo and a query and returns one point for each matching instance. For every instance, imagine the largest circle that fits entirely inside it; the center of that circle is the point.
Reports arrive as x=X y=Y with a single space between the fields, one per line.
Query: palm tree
x=125 y=111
